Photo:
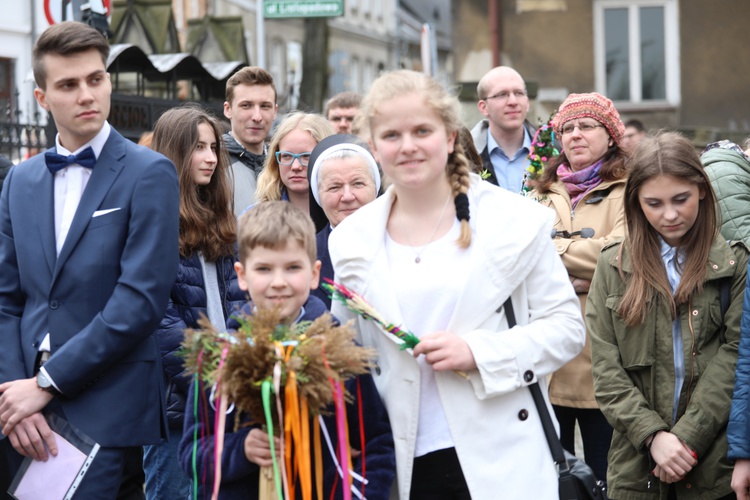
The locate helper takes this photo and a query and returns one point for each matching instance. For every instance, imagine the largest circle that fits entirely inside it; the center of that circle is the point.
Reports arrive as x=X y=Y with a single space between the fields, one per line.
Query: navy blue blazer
x=102 y=298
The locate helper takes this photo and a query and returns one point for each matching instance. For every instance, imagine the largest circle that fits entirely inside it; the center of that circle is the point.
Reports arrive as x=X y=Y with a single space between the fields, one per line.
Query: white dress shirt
x=70 y=182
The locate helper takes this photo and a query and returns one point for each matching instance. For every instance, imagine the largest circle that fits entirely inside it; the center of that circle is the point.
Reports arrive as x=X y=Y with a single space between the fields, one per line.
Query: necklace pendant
x=417 y=259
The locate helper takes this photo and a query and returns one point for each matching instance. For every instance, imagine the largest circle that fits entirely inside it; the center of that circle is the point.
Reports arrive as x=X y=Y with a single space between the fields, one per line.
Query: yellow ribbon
x=318 y=458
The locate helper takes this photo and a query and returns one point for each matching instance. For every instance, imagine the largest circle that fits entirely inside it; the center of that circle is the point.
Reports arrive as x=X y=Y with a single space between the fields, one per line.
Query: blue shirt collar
x=668 y=251
x=672 y=265
x=492 y=143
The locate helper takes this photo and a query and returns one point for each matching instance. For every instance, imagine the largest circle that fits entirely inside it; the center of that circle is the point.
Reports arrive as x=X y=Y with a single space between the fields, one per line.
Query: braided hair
x=458 y=175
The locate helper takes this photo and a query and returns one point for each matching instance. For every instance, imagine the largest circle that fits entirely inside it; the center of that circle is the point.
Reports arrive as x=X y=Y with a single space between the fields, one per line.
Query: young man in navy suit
x=88 y=253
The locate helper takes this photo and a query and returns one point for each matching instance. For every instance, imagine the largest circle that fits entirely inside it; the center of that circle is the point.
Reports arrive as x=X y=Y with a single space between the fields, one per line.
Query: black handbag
x=575 y=477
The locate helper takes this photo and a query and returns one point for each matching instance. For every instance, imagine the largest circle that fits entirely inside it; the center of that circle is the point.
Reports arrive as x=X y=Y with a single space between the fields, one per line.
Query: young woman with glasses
x=284 y=175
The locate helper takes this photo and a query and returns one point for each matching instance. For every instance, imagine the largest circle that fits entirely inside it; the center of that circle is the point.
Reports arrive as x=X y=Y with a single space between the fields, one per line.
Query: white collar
x=97 y=143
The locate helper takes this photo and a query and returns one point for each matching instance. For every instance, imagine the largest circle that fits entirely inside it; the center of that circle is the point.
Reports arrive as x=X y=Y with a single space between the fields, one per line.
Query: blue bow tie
x=57 y=162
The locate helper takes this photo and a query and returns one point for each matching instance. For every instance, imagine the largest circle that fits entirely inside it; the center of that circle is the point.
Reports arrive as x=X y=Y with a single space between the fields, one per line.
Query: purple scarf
x=580 y=182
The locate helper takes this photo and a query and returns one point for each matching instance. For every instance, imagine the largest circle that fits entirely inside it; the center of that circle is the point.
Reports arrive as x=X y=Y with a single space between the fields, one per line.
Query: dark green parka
x=634 y=375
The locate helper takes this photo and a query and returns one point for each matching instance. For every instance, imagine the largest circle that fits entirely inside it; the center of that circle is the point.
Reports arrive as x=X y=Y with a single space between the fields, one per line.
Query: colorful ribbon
x=197 y=393
x=220 y=421
x=265 y=390
x=357 y=304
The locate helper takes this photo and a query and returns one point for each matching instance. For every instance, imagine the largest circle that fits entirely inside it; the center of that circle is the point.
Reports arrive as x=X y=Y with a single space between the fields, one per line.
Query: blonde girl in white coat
x=439 y=253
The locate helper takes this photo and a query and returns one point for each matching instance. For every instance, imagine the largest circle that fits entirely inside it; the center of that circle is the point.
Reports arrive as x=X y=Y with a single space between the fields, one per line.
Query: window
x=355 y=78
x=379 y=9
x=637 y=50
x=277 y=63
x=338 y=62
x=368 y=75
x=294 y=72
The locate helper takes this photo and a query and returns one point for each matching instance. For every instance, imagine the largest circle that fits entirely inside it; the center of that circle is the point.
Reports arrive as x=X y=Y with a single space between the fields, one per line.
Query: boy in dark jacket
x=278 y=268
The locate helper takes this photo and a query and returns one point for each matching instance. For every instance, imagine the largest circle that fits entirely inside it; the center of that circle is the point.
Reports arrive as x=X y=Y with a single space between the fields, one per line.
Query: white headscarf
x=343 y=146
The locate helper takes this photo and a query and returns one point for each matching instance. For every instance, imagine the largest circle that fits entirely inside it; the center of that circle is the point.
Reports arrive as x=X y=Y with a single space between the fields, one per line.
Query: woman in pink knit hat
x=585 y=186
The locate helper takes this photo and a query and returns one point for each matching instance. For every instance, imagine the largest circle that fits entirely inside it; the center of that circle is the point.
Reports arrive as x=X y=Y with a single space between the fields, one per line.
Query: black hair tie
x=462 y=206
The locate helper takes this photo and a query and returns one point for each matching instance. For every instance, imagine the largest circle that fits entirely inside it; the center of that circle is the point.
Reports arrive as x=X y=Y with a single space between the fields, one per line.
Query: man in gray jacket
x=503 y=139
x=251 y=108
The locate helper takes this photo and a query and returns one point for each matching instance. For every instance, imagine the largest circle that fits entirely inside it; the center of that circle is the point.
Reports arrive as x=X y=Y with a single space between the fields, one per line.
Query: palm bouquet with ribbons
x=284 y=377
x=542 y=150
x=358 y=305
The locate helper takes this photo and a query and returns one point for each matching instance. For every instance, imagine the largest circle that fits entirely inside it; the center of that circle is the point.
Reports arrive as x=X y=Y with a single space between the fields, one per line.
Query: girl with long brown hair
x=206 y=282
x=664 y=314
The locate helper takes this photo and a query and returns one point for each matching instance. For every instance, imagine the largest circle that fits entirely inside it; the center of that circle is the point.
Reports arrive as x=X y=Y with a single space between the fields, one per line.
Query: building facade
x=680 y=64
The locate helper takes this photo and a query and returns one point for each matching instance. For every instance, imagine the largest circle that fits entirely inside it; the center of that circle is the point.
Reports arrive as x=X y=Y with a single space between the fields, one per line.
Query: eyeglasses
x=286 y=158
x=505 y=94
x=568 y=128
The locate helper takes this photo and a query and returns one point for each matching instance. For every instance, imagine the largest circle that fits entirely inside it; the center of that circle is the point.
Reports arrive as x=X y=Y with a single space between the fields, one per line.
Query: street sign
x=302 y=8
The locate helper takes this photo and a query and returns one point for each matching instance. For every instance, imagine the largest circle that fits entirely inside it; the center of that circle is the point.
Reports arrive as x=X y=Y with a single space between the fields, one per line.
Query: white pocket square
x=99 y=213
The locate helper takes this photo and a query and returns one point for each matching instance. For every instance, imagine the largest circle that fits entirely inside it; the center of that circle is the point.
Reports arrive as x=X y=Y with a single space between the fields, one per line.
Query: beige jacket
x=602 y=210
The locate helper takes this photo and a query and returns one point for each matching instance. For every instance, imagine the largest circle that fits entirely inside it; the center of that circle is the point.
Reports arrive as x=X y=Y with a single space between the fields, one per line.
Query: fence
x=129 y=115
x=18 y=140
x=133 y=115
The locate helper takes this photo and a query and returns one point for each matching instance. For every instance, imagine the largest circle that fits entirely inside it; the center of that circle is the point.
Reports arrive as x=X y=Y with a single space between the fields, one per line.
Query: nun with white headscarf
x=344 y=176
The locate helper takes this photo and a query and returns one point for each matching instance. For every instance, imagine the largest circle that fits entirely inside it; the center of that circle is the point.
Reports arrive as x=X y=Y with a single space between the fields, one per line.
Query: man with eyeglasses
x=251 y=109
x=503 y=139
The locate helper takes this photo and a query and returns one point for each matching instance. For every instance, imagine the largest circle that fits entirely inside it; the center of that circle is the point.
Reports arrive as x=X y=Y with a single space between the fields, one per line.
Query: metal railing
x=20 y=140
x=130 y=115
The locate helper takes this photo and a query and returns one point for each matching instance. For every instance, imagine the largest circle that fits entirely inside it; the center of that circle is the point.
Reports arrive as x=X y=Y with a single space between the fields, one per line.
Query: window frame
x=671 y=50
x=355 y=73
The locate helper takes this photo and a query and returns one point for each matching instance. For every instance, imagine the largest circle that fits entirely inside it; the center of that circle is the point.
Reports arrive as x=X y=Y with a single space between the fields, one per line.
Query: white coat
x=492 y=418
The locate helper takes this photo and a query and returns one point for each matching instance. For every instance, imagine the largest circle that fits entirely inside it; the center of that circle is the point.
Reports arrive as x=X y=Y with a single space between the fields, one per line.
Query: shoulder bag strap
x=558 y=455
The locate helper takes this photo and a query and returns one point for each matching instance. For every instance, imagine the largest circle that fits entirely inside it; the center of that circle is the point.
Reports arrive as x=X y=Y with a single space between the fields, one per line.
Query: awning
x=128 y=58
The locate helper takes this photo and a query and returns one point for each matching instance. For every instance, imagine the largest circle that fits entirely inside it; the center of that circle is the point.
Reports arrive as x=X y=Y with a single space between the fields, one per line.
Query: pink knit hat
x=593 y=105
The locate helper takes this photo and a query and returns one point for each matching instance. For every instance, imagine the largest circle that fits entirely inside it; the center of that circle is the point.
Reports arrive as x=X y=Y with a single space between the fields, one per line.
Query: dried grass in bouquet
x=282 y=376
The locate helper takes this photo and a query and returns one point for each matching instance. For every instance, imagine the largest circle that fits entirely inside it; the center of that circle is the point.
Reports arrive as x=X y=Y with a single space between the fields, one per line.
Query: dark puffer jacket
x=187 y=302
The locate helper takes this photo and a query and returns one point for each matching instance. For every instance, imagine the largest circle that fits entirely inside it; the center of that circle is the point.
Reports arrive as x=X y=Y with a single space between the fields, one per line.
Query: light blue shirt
x=674 y=274
x=510 y=172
